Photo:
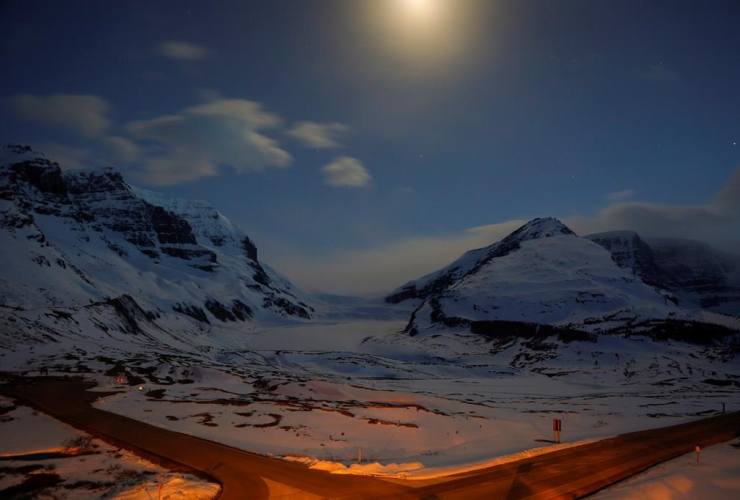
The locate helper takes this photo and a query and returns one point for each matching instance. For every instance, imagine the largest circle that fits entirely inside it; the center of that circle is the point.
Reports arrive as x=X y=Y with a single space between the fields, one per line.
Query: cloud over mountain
x=86 y=114
x=195 y=142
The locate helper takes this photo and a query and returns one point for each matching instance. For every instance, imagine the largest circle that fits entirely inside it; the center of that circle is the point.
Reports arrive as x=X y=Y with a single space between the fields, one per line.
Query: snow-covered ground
x=318 y=393
x=716 y=477
x=338 y=391
x=78 y=467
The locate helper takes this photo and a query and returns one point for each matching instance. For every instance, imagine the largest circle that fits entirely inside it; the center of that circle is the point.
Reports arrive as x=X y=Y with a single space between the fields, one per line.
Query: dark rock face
x=129 y=311
x=629 y=251
x=238 y=311
x=241 y=310
x=286 y=307
x=692 y=271
x=260 y=276
x=700 y=273
x=194 y=312
x=171 y=229
x=42 y=174
x=189 y=254
x=411 y=292
x=250 y=250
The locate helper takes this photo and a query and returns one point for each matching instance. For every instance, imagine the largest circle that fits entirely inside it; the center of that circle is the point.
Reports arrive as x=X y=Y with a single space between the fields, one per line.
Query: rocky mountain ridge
x=543 y=280
x=78 y=237
x=695 y=273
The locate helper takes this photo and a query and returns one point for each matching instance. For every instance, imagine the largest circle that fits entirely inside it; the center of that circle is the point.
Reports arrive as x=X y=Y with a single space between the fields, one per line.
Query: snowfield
x=85 y=468
x=716 y=476
x=443 y=405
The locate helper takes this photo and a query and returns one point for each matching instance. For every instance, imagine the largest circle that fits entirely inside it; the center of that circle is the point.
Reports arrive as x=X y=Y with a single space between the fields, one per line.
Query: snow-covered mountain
x=544 y=279
x=78 y=239
x=697 y=274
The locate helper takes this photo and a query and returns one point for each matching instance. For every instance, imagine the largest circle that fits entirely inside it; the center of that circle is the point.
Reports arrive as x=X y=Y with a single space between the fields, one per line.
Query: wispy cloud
x=346 y=171
x=194 y=142
x=622 y=195
x=66 y=156
x=178 y=49
x=716 y=221
x=85 y=114
x=387 y=266
x=318 y=135
x=384 y=267
x=121 y=149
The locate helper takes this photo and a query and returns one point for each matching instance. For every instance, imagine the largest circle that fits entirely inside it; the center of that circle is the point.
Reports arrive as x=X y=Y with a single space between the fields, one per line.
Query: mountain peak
x=95 y=180
x=17 y=153
x=541 y=227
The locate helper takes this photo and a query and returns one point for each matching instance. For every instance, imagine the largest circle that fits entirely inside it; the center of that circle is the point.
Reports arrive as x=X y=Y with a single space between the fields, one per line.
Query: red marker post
x=557 y=427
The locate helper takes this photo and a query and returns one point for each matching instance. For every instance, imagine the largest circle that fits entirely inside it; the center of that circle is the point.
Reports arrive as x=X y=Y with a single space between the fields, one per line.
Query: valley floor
x=328 y=395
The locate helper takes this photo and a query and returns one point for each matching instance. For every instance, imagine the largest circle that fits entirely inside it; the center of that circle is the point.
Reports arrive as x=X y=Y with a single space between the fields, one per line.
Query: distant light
x=141 y=388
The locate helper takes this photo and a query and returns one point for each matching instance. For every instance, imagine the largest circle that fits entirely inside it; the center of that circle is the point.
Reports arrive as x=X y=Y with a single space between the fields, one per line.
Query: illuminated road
x=569 y=473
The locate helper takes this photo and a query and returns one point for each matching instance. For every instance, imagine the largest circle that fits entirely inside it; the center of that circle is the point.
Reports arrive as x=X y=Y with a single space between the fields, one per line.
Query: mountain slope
x=541 y=274
x=71 y=239
x=471 y=261
x=697 y=274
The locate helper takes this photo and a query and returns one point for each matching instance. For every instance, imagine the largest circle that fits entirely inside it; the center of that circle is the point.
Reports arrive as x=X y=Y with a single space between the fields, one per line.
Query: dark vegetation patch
x=77 y=443
x=22 y=470
x=32 y=484
x=155 y=394
x=376 y=421
x=4 y=411
x=88 y=485
x=276 y=421
x=722 y=383
x=504 y=330
x=691 y=332
x=56 y=313
x=206 y=419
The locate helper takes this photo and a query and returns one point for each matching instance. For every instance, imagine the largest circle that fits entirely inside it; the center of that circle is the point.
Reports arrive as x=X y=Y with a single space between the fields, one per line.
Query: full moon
x=420 y=10
x=423 y=34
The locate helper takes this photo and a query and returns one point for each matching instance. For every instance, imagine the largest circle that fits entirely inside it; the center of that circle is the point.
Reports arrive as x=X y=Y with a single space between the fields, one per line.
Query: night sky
x=364 y=143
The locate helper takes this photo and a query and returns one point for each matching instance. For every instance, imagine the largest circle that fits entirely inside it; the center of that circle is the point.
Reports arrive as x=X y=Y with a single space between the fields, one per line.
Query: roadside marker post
x=697 y=454
x=359 y=460
x=723 y=407
x=560 y=430
x=557 y=427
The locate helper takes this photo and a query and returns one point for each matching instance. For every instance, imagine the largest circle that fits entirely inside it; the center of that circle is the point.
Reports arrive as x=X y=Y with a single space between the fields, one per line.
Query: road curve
x=565 y=474
x=240 y=473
